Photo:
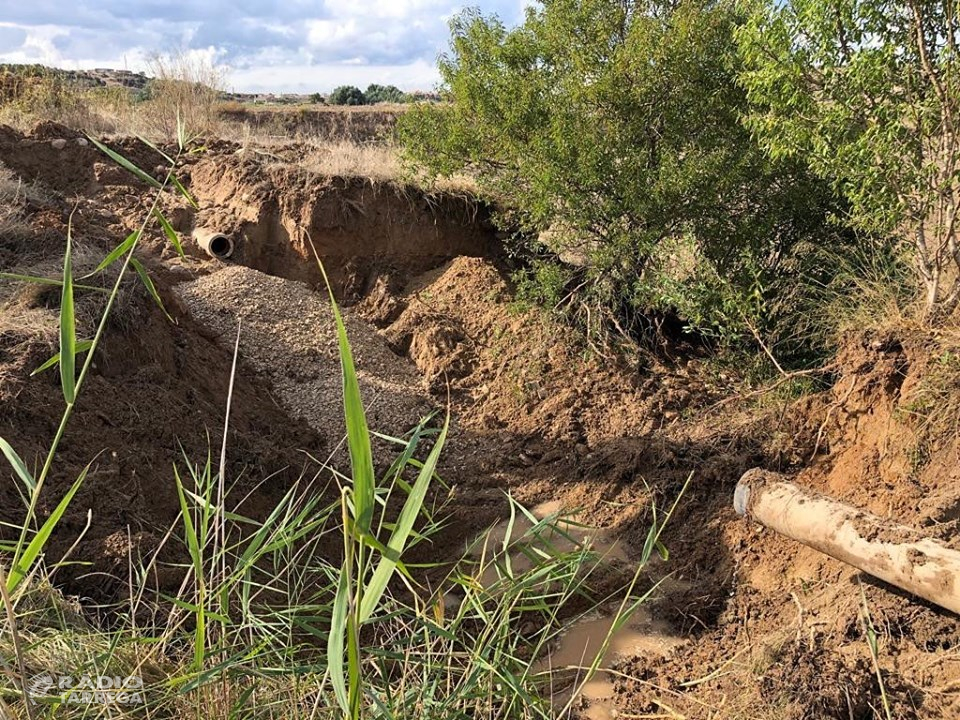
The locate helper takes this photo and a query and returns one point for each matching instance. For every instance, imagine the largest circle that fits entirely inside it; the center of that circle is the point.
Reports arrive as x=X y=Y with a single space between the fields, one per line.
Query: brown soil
x=278 y=214
x=773 y=629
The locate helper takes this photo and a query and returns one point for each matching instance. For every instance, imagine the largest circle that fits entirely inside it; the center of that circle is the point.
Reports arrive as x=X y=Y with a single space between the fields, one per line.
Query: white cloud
x=295 y=46
x=419 y=75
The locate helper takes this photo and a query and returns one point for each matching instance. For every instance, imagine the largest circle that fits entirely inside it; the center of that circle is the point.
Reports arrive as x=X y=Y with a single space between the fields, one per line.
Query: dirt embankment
x=361 y=125
x=361 y=231
x=772 y=629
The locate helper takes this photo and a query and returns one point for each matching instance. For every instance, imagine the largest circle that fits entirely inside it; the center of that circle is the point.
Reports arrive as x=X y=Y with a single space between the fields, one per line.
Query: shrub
x=384 y=94
x=617 y=127
x=32 y=95
x=866 y=92
x=183 y=90
x=347 y=95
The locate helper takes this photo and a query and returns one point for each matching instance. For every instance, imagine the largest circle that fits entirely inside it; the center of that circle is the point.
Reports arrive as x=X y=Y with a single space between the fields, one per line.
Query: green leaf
x=153 y=147
x=401 y=532
x=193 y=543
x=126 y=164
x=82 y=346
x=19 y=467
x=23 y=564
x=358 y=435
x=183 y=191
x=68 y=327
x=48 y=281
x=118 y=252
x=662 y=551
x=31 y=279
x=148 y=284
x=169 y=231
x=336 y=640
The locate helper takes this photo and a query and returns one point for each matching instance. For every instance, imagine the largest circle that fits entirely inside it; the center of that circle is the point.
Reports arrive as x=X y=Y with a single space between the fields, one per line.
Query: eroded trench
x=429 y=309
x=383 y=247
x=432 y=319
x=273 y=220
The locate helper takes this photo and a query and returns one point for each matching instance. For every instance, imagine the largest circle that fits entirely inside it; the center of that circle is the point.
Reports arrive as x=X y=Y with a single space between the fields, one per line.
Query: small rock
x=82 y=142
x=58 y=144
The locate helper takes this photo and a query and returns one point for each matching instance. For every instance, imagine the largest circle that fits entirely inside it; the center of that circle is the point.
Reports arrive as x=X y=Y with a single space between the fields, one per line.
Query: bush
x=385 y=94
x=185 y=90
x=617 y=127
x=347 y=95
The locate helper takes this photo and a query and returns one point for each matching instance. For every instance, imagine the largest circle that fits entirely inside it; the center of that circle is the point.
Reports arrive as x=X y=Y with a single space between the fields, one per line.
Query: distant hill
x=99 y=77
x=135 y=81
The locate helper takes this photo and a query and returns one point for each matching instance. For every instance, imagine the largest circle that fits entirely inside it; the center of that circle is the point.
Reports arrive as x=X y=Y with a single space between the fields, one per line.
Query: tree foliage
x=352 y=95
x=347 y=95
x=616 y=125
x=867 y=92
x=384 y=94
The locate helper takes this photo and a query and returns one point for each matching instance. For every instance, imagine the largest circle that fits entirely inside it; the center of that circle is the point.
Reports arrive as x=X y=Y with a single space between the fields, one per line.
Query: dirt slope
x=777 y=627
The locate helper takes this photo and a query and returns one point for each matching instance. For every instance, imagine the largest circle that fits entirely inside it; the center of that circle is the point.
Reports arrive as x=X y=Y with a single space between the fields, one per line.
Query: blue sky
x=289 y=46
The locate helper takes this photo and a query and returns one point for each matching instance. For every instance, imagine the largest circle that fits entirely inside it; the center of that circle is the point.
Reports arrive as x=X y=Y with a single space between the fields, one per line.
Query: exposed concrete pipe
x=898 y=555
x=215 y=244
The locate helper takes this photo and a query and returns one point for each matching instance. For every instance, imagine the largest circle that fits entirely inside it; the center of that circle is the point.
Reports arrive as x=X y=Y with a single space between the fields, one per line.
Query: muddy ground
x=753 y=625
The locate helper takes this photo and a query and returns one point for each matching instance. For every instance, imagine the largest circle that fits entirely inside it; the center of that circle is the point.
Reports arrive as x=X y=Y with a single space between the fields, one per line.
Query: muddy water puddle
x=577 y=647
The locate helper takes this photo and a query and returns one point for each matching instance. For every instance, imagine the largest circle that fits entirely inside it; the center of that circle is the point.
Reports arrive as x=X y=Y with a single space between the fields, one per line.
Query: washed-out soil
x=769 y=628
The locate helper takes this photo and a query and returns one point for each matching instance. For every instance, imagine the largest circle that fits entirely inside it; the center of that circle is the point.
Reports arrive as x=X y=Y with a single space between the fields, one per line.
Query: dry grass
x=183 y=89
x=182 y=85
x=13 y=194
x=291 y=108
x=50 y=97
x=376 y=163
x=875 y=290
x=336 y=141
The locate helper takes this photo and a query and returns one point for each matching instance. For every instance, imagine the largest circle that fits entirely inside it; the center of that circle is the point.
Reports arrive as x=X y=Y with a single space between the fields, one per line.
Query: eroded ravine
x=768 y=626
x=389 y=255
x=286 y=336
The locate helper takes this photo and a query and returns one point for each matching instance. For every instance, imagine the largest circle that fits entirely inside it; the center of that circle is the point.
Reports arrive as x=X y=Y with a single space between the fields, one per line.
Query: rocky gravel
x=288 y=335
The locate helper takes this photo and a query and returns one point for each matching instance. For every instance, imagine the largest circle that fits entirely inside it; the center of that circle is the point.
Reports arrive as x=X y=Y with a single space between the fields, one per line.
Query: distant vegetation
x=351 y=95
x=729 y=164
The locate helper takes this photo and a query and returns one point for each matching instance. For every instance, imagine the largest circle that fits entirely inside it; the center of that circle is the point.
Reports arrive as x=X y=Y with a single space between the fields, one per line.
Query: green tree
x=616 y=124
x=866 y=91
x=385 y=93
x=347 y=95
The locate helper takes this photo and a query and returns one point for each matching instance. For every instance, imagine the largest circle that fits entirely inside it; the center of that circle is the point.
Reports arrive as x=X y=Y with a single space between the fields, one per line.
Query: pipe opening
x=221 y=246
x=215 y=244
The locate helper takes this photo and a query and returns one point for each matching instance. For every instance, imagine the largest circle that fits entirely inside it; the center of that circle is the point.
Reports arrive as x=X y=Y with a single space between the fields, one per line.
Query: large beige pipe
x=215 y=244
x=898 y=555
